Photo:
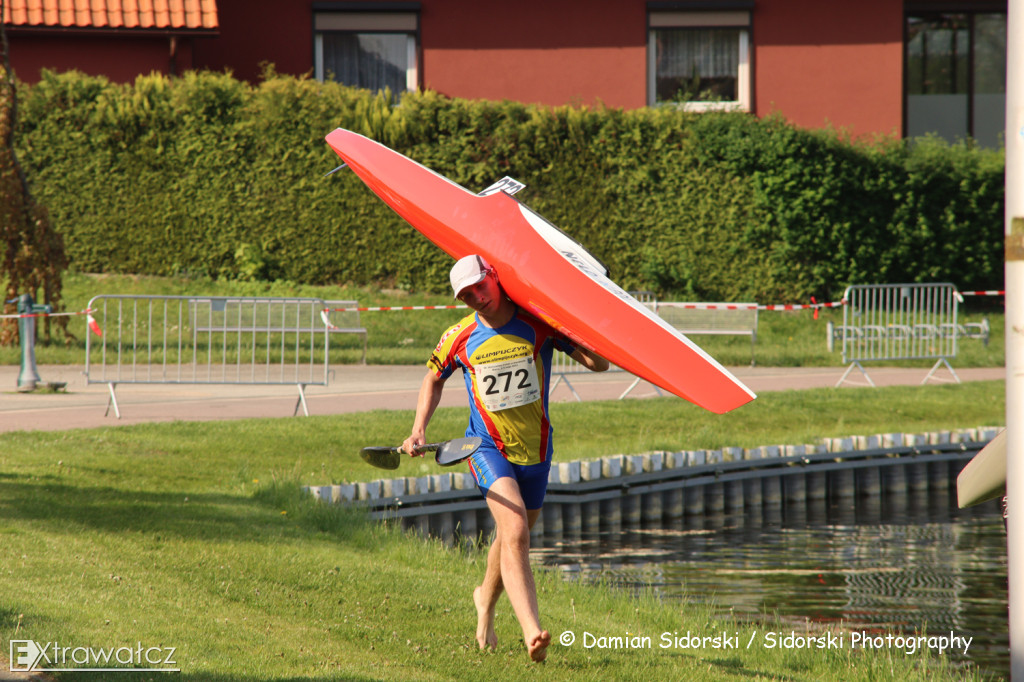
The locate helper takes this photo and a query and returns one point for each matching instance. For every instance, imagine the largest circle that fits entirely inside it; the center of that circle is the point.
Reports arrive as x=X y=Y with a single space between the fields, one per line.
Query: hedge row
x=207 y=174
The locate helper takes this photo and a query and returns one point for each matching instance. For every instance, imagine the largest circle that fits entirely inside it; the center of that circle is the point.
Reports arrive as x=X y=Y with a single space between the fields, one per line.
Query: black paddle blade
x=456 y=450
x=381 y=457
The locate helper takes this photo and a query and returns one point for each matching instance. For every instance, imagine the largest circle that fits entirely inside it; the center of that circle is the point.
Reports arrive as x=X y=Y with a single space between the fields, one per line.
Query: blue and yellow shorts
x=488 y=465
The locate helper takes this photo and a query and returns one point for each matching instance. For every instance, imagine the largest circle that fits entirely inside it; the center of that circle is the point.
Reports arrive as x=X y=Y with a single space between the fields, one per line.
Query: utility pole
x=1015 y=329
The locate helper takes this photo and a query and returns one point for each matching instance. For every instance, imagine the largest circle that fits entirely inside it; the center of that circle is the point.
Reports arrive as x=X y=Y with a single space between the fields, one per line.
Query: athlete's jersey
x=507 y=371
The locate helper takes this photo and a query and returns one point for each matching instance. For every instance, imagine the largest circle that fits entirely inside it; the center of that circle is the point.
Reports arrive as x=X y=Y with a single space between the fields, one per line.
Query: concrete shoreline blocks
x=651 y=490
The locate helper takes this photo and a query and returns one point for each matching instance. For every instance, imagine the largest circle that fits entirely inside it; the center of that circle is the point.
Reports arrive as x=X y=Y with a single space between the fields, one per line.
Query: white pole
x=1015 y=329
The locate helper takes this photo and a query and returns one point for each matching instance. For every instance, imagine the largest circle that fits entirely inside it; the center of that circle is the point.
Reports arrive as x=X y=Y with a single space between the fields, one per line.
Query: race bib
x=512 y=383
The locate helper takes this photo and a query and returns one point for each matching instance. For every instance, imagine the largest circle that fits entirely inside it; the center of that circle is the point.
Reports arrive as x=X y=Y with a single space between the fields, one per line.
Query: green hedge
x=209 y=175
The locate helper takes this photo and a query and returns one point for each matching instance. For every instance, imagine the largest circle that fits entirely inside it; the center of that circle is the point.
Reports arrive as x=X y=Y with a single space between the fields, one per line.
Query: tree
x=33 y=252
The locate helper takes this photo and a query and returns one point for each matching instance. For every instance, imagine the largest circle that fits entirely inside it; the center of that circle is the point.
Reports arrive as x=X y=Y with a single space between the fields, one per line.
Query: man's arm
x=589 y=359
x=430 y=396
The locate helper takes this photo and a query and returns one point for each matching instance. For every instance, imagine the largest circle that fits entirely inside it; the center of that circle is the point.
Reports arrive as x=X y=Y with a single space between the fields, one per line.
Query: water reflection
x=902 y=564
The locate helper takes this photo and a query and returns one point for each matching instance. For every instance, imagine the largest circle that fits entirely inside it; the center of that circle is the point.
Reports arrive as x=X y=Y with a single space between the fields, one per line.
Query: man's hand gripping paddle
x=448 y=453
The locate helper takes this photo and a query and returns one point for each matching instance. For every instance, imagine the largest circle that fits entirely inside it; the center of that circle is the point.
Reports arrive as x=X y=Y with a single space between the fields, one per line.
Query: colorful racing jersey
x=507 y=372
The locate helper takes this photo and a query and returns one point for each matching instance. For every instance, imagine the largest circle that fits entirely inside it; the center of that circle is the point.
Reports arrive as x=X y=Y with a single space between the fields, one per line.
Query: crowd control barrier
x=207 y=340
x=887 y=322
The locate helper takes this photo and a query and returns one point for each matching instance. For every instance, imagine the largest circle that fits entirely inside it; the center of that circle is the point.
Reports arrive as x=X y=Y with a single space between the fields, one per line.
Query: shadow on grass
x=735 y=667
x=272 y=514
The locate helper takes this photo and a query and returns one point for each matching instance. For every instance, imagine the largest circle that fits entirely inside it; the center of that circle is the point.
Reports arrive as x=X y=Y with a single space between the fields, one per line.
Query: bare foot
x=538 y=646
x=485 y=635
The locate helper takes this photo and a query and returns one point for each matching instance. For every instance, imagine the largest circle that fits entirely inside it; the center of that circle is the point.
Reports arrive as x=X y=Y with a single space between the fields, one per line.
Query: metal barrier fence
x=343 y=317
x=207 y=340
x=885 y=322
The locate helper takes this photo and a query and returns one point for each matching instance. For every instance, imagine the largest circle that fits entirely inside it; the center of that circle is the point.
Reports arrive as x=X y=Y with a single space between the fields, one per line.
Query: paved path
x=352 y=388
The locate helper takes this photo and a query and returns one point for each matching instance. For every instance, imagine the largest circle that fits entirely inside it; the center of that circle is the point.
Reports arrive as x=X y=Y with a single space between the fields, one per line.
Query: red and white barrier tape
x=17 y=316
x=991 y=292
x=696 y=306
x=396 y=307
x=809 y=306
x=709 y=306
x=89 y=319
x=752 y=306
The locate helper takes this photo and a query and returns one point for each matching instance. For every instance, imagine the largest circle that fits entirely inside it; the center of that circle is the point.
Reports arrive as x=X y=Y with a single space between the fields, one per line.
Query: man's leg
x=511 y=554
x=486 y=595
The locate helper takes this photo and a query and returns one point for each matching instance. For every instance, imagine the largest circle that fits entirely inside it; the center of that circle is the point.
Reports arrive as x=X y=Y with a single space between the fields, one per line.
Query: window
x=955 y=78
x=367 y=49
x=699 y=59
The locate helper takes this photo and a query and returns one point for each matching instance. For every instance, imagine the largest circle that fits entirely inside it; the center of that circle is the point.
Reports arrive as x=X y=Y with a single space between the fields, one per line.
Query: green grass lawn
x=784 y=339
x=197 y=536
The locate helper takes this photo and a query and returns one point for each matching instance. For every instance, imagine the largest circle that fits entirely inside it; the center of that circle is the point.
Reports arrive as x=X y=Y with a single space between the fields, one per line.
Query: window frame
x=368 y=18
x=704 y=14
x=924 y=9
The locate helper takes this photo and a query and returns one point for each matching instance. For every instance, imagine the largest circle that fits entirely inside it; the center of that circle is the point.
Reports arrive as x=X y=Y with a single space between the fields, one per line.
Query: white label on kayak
x=512 y=383
x=506 y=185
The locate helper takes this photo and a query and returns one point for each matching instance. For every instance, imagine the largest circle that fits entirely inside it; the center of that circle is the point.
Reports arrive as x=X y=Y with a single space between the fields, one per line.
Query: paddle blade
x=381 y=457
x=456 y=450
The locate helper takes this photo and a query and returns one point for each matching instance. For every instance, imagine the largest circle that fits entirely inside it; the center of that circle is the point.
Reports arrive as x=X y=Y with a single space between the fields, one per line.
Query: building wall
x=836 y=64
x=121 y=58
x=537 y=51
x=253 y=32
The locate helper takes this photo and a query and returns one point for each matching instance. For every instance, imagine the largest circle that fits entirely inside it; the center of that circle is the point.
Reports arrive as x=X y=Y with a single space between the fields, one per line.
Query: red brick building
x=116 y=38
x=890 y=67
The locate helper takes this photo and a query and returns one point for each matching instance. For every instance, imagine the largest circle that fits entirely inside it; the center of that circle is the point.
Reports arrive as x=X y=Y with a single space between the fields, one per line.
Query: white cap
x=468 y=271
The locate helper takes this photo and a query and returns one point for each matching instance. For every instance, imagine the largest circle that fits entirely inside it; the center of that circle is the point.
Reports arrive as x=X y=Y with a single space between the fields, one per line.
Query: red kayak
x=544 y=271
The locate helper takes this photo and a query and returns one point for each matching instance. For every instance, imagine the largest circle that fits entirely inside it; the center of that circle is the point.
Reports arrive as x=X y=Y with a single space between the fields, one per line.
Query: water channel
x=896 y=564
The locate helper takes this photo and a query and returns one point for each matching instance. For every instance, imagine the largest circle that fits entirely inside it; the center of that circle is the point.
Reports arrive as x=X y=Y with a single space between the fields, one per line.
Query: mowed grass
x=197 y=536
x=784 y=339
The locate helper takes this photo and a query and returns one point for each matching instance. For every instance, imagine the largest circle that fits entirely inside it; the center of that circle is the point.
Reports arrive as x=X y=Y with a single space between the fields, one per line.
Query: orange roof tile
x=131 y=14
